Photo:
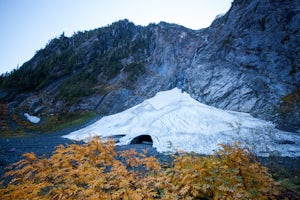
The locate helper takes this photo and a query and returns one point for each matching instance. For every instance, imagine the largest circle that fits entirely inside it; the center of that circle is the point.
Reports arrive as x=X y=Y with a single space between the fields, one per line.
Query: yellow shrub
x=92 y=171
x=230 y=174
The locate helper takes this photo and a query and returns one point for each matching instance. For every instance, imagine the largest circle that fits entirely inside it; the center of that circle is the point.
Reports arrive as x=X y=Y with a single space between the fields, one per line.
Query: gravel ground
x=11 y=149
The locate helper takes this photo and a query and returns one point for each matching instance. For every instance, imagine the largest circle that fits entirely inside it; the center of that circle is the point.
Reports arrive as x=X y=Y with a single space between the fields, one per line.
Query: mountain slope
x=247 y=60
x=175 y=121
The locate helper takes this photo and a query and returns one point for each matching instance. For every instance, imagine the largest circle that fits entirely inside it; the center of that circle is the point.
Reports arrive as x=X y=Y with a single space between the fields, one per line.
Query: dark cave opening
x=142 y=139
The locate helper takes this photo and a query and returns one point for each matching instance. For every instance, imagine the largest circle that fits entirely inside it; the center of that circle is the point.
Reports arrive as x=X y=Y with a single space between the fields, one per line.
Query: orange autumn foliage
x=92 y=171
x=232 y=173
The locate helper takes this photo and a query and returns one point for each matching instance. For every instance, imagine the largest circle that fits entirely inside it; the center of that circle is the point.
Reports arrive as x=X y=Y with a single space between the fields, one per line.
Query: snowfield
x=175 y=121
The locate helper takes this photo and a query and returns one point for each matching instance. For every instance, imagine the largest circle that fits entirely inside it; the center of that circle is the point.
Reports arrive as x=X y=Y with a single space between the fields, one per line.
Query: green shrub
x=134 y=70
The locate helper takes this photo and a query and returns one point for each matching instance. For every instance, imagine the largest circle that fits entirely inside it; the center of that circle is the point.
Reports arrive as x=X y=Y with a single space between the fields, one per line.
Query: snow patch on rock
x=175 y=121
x=32 y=119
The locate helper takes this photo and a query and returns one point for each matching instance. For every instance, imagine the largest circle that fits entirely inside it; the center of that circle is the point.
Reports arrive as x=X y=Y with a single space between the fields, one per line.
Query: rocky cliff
x=247 y=60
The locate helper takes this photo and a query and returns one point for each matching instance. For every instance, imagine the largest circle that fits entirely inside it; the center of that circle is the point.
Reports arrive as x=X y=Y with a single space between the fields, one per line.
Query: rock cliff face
x=250 y=61
x=247 y=60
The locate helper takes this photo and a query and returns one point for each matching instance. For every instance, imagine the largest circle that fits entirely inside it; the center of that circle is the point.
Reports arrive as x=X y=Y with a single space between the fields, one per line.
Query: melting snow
x=32 y=119
x=175 y=121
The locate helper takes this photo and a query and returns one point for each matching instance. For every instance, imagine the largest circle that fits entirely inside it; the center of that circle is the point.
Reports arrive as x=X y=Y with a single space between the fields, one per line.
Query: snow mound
x=175 y=121
x=32 y=119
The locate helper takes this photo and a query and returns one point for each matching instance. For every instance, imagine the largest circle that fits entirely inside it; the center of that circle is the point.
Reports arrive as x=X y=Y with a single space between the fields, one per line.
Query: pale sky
x=27 y=25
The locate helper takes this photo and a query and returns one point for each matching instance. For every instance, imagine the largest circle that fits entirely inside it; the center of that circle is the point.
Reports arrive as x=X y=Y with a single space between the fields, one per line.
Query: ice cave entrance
x=142 y=139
